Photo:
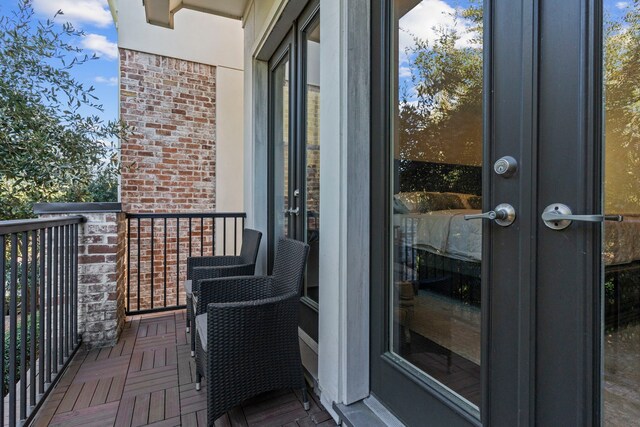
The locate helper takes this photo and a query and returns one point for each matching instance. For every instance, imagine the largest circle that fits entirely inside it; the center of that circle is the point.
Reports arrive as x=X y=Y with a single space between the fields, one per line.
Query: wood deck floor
x=148 y=379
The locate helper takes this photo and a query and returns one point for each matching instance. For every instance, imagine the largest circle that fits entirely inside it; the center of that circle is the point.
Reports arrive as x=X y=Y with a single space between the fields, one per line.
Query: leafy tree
x=440 y=112
x=49 y=149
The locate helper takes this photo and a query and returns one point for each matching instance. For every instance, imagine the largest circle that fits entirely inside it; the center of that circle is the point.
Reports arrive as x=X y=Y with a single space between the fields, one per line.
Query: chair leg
x=198 y=380
x=305 y=399
x=188 y=315
x=193 y=342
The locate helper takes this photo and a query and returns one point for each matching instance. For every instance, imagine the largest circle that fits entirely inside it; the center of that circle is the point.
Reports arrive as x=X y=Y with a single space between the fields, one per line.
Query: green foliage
x=49 y=150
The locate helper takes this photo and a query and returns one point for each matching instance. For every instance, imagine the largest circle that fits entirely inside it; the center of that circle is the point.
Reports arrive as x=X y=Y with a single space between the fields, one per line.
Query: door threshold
x=368 y=412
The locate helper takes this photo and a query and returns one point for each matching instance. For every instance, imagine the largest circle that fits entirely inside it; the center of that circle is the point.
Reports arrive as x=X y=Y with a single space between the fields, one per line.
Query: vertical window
x=437 y=178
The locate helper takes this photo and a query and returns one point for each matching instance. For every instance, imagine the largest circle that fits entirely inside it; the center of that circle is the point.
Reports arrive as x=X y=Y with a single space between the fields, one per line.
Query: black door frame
x=292 y=44
x=522 y=300
x=285 y=51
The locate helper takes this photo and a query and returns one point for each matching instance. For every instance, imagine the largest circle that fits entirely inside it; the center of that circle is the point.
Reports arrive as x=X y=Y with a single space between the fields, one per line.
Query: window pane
x=281 y=149
x=312 y=147
x=437 y=179
x=621 y=246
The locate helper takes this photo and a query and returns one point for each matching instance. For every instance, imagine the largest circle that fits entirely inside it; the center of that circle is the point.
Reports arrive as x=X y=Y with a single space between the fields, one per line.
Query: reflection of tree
x=622 y=111
x=440 y=112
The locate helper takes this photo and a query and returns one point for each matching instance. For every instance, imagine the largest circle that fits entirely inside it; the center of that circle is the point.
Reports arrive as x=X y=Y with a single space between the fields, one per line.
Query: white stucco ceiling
x=160 y=12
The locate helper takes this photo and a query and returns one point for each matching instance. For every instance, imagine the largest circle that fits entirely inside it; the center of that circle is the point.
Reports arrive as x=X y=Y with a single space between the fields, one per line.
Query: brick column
x=101 y=268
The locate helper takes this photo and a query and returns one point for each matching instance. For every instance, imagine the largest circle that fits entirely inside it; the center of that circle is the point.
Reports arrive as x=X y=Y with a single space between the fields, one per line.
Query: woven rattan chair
x=247 y=341
x=207 y=267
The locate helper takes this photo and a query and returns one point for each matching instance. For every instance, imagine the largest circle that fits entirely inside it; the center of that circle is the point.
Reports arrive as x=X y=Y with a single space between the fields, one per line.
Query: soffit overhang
x=161 y=12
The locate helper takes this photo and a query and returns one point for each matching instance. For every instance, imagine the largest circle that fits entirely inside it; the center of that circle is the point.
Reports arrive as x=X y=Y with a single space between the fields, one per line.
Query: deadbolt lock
x=505 y=166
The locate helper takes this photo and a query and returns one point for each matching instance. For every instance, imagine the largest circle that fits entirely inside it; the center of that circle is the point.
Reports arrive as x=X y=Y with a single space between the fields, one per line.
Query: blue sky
x=94 y=18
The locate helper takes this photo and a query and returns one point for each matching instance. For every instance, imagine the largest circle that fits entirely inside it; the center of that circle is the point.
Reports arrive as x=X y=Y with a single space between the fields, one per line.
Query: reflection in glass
x=621 y=244
x=312 y=144
x=281 y=149
x=437 y=179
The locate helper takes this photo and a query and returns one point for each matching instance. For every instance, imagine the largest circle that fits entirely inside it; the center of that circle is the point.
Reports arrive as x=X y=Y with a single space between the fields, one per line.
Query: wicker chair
x=206 y=267
x=247 y=341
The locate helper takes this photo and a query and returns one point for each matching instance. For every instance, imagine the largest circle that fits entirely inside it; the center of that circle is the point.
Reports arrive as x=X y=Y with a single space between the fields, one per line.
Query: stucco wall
x=197 y=37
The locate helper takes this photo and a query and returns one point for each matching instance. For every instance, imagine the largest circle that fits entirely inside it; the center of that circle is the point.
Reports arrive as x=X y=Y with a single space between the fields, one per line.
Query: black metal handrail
x=158 y=245
x=39 y=271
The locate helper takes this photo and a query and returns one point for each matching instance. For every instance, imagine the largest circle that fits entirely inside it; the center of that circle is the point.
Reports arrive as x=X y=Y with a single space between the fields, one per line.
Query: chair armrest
x=233 y=289
x=210 y=261
x=201 y=273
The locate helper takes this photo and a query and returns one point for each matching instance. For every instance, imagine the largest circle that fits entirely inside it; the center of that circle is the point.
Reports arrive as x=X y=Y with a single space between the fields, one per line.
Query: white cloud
x=622 y=4
x=78 y=12
x=423 y=21
x=404 y=72
x=100 y=45
x=111 y=81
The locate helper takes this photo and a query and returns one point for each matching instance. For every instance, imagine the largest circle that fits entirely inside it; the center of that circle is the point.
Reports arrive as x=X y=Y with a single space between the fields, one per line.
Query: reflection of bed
x=447 y=233
x=441 y=252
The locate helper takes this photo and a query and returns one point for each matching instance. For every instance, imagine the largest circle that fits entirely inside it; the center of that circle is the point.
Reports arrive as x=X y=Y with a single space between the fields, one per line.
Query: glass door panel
x=281 y=150
x=621 y=243
x=437 y=146
x=311 y=56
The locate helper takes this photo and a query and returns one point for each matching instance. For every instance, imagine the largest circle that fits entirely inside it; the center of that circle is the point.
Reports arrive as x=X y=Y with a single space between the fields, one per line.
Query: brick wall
x=168 y=164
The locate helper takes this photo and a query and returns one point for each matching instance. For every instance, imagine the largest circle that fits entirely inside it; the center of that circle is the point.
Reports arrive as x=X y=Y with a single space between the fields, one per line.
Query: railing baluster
x=152 y=259
x=189 y=235
x=164 y=248
x=3 y=272
x=67 y=300
x=138 y=270
x=61 y=296
x=202 y=236
x=24 y=300
x=49 y=302
x=224 y=236
x=75 y=284
x=213 y=236
x=128 y=264
x=178 y=260
x=235 y=236
x=41 y=294
x=56 y=280
x=13 y=328
x=33 y=319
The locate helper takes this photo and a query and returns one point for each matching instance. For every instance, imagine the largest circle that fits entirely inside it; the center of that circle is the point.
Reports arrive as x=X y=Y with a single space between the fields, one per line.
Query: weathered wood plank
x=156 y=406
x=141 y=410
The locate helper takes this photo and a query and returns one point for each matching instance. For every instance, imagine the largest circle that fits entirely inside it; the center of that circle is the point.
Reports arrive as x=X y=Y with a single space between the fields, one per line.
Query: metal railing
x=39 y=271
x=158 y=245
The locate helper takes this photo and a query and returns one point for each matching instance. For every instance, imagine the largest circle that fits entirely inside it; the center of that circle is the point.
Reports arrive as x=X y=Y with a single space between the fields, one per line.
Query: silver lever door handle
x=295 y=211
x=558 y=216
x=504 y=214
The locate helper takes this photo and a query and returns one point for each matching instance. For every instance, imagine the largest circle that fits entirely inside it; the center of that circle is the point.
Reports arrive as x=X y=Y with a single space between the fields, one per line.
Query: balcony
x=148 y=379
x=98 y=295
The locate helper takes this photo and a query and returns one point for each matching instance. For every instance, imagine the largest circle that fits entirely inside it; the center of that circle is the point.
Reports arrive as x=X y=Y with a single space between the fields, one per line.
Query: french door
x=505 y=211
x=294 y=148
